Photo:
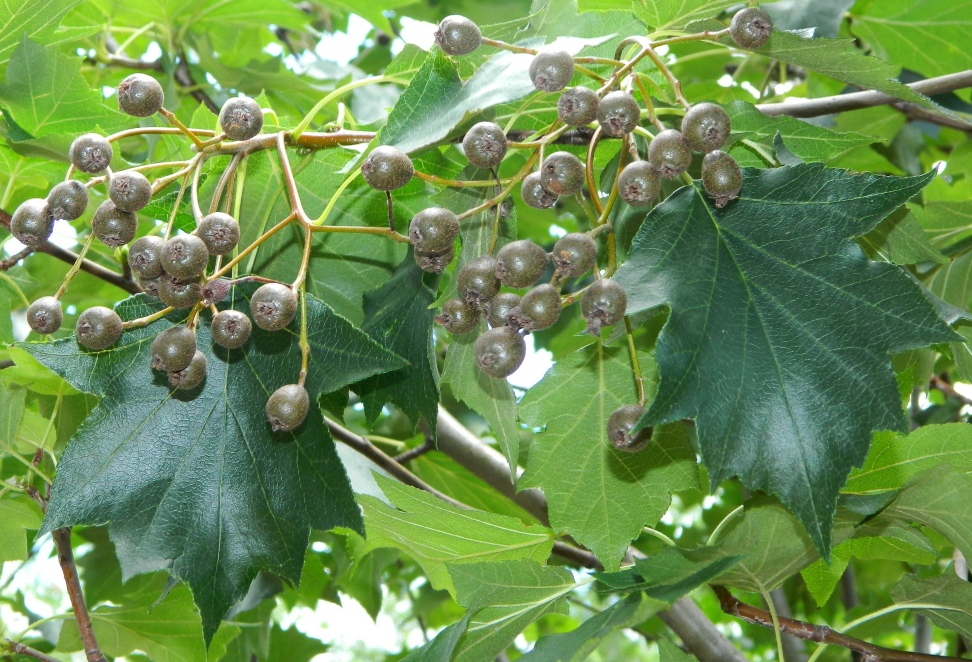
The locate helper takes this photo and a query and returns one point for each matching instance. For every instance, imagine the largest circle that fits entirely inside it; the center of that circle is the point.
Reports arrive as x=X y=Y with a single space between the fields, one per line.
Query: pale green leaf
x=899 y=239
x=669 y=652
x=37 y=19
x=949 y=599
x=946 y=223
x=17 y=513
x=676 y=14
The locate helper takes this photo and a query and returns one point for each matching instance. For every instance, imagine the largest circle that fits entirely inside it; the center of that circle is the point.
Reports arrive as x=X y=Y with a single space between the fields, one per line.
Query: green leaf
x=436 y=533
x=398 y=317
x=838 y=59
x=169 y=631
x=292 y=645
x=217 y=496
x=899 y=239
x=35 y=19
x=503 y=598
x=824 y=16
x=951 y=597
x=11 y=412
x=602 y=496
x=45 y=94
x=894 y=458
x=773 y=547
x=669 y=652
x=962 y=353
x=674 y=572
x=669 y=14
x=576 y=645
x=780 y=329
x=938 y=498
x=927 y=36
x=946 y=223
x=441 y=648
x=17 y=513
x=808 y=141
x=952 y=282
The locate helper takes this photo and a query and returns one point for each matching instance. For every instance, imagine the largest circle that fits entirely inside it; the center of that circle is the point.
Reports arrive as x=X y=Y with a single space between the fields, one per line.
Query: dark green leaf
x=674 y=572
x=779 y=326
x=292 y=645
x=441 y=648
x=210 y=474
x=601 y=496
x=398 y=317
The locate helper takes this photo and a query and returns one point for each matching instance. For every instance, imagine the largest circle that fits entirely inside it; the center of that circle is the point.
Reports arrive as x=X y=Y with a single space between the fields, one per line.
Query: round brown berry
x=434 y=263
x=215 y=291
x=520 y=263
x=500 y=307
x=145 y=257
x=706 y=127
x=499 y=352
x=485 y=145
x=68 y=200
x=457 y=317
x=112 y=226
x=287 y=407
x=534 y=194
x=31 y=222
x=192 y=375
x=618 y=114
x=45 y=316
x=751 y=27
x=140 y=95
x=669 y=154
x=574 y=254
x=220 y=232
x=433 y=230
x=98 y=328
x=551 y=70
x=387 y=169
x=457 y=35
x=477 y=281
x=577 y=106
x=619 y=427
x=562 y=173
x=604 y=304
x=90 y=153
x=273 y=306
x=539 y=309
x=173 y=349
x=180 y=293
x=231 y=329
x=721 y=177
x=638 y=184
x=184 y=256
x=241 y=118
x=151 y=286
x=129 y=190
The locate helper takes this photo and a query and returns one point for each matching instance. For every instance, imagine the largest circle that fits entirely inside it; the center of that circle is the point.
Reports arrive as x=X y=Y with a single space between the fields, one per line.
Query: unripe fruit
x=112 y=226
x=751 y=27
x=220 y=232
x=534 y=194
x=457 y=35
x=179 y=293
x=151 y=286
x=520 y=263
x=184 y=256
x=500 y=307
x=721 y=177
x=387 y=169
x=705 y=127
x=638 y=184
x=140 y=95
x=68 y=200
x=539 y=309
x=485 y=145
x=477 y=281
x=129 y=190
x=31 y=222
x=98 y=328
x=619 y=428
x=215 y=291
x=273 y=306
x=603 y=304
x=173 y=349
x=44 y=315
x=618 y=114
x=433 y=230
x=669 y=154
x=577 y=106
x=241 y=118
x=434 y=263
x=287 y=407
x=192 y=375
x=90 y=153
x=145 y=257
x=499 y=352
x=562 y=173
x=551 y=70
x=457 y=317
x=574 y=254
x=230 y=329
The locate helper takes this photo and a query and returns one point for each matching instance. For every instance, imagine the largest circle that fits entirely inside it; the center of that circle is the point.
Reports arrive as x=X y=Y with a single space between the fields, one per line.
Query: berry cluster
x=184 y=270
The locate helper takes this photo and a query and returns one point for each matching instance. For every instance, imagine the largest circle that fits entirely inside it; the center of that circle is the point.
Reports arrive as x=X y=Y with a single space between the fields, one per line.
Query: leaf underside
x=780 y=328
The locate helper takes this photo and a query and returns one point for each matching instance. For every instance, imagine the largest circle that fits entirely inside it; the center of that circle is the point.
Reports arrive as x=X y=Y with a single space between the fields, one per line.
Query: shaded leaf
x=292 y=645
x=441 y=648
x=602 y=496
x=17 y=514
x=951 y=596
x=211 y=475
x=822 y=15
x=899 y=239
x=669 y=652
x=751 y=287
x=436 y=533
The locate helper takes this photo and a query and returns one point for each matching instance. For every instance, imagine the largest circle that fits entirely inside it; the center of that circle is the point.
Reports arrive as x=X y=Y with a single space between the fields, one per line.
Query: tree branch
x=866 y=99
x=684 y=618
x=65 y=556
x=818 y=633
x=20 y=649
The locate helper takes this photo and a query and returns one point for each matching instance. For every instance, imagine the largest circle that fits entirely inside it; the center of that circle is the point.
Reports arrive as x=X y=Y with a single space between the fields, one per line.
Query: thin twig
x=20 y=649
x=65 y=556
x=940 y=384
x=418 y=451
x=14 y=259
x=818 y=633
